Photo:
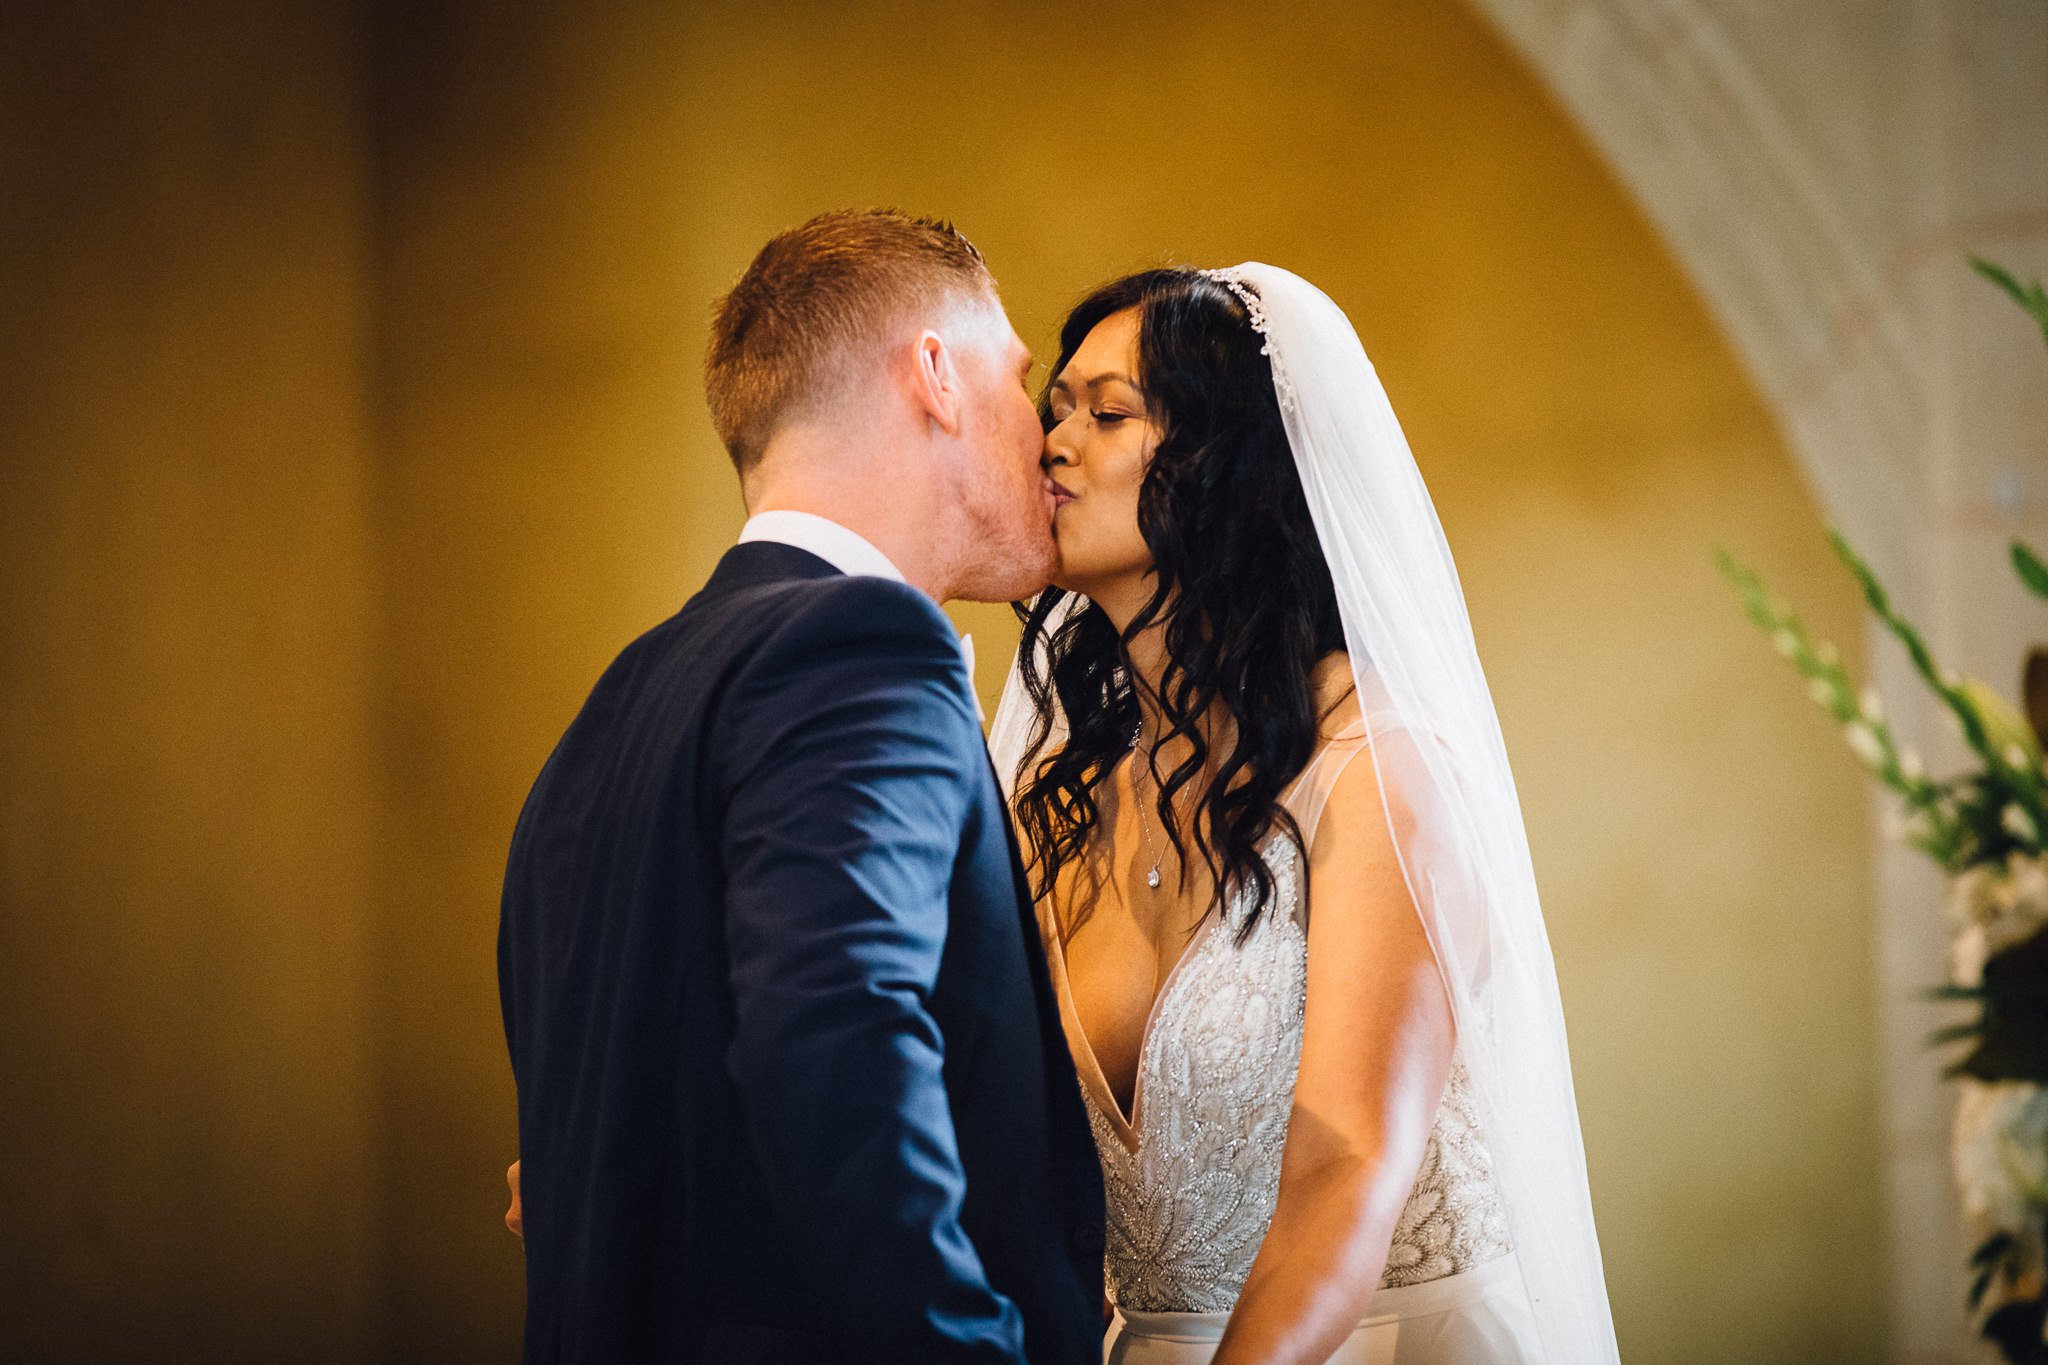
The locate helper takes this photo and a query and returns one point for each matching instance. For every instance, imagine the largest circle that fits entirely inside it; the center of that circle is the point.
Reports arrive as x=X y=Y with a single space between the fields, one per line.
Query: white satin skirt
x=1481 y=1317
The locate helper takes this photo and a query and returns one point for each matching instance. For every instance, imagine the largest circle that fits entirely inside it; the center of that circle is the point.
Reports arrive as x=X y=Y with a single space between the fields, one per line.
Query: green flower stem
x=1945 y=836
x=2023 y=781
x=2029 y=296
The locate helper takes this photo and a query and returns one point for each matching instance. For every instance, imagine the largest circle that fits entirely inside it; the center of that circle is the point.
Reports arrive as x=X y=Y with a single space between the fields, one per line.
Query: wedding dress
x=1497 y=1260
x=1193 y=1176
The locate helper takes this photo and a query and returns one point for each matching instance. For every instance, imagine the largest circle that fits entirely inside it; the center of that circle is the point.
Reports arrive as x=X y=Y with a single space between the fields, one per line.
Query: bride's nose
x=1054 y=457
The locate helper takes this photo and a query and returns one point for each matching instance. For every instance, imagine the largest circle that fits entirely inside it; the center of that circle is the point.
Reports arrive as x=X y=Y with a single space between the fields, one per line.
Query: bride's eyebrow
x=1063 y=386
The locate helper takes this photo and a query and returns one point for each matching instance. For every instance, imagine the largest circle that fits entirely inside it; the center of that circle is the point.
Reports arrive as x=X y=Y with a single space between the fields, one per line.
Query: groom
x=791 y=1083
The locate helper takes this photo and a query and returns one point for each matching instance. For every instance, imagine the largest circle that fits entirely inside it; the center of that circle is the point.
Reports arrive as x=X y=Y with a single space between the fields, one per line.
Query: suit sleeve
x=857 y=748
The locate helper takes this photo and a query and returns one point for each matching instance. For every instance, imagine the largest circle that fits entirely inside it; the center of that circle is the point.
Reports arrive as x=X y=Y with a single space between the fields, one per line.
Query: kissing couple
x=1217 y=1008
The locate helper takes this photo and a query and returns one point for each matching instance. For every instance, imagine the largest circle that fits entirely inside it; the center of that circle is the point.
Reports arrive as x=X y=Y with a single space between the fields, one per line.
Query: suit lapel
x=1072 y=1119
x=763 y=561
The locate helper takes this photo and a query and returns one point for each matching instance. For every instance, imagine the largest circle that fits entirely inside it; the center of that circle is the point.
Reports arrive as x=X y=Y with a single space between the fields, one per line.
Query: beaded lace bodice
x=1192 y=1187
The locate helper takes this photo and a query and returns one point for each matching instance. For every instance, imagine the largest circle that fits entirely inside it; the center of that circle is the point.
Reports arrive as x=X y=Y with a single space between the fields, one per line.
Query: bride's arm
x=1375 y=1056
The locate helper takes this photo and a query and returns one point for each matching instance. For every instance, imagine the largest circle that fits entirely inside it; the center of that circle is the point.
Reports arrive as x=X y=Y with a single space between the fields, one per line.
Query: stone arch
x=1820 y=172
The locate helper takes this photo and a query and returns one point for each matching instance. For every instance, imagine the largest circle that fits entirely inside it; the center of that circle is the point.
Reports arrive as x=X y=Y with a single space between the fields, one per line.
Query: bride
x=1279 y=862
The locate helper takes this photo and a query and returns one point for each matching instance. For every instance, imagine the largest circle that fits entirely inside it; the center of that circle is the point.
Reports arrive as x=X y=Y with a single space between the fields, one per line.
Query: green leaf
x=1993 y=1248
x=2029 y=296
x=1999 y=276
x=2031 y=570
x=2012 y=1030
x=2023 y=782
x=2015 y=1329
x=1954 y=1033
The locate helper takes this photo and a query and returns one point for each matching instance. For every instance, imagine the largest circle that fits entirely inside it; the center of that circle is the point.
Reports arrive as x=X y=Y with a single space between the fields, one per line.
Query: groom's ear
x=935 y=381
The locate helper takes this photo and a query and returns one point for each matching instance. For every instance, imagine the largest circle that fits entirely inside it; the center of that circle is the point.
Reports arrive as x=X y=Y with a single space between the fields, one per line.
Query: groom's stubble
x=1009 y=553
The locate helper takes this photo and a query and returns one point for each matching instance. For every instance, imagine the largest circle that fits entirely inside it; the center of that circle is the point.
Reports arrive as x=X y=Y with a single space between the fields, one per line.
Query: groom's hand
x=513 y=1220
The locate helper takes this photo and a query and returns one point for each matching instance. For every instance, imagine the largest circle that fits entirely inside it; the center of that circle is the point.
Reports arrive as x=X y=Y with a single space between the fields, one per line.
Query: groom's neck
x=896 y=515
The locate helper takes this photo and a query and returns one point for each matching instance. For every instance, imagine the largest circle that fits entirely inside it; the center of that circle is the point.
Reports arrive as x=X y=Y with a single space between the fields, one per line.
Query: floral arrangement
x=1985 y=827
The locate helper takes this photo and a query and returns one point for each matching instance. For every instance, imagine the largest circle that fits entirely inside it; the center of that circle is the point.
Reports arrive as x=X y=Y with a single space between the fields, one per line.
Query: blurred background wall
x=189 y=766
x=351 y=423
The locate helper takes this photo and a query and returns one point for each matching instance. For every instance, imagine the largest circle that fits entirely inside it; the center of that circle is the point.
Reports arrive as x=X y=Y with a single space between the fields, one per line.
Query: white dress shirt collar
x=847 y=551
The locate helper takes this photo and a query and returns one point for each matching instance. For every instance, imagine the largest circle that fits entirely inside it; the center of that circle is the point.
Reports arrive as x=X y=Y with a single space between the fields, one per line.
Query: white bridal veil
x=1438 y=751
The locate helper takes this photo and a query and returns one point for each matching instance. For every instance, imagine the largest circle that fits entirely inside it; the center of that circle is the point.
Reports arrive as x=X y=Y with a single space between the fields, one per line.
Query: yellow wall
x=186 y=784
x=361 y=447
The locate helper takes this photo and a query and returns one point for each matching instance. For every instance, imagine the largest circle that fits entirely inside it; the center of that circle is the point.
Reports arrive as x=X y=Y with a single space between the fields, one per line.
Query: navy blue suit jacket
x=792 y=1084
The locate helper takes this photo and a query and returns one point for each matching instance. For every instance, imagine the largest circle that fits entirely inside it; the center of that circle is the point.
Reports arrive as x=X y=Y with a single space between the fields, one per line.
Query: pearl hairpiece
x=1255 y=309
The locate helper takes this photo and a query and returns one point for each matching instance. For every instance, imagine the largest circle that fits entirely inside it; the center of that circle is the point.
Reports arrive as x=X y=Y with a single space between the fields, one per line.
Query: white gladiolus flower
x=1870 y=704
x=1911 y=766
x=2016 y=757
x=2027 y=874
x=1864 y=743
x=1786 y=642
x=1984 y=1115
x=1967 y=956
x=2023 y=1147
x=2019 y=825
x=2008 y=904
x=2018 y=901
x=1969 y=894
x=1821 y=690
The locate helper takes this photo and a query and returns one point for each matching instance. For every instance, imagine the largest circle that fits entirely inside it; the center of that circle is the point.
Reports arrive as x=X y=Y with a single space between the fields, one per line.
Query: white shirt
x=850 y=552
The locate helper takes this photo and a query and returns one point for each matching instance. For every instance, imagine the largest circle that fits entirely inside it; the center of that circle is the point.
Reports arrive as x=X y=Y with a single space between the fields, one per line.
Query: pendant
x=1152 y=877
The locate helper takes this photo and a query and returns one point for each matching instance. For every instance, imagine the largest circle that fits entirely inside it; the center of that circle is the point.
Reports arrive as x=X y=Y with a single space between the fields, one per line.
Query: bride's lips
x=1058 y=492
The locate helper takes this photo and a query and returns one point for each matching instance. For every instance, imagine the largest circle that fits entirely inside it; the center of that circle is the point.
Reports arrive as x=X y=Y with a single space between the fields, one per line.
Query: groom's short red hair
x=782 y=338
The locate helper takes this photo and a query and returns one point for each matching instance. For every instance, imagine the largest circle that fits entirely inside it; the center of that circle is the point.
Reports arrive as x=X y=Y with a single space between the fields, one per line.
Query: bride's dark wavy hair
x=1243 y=596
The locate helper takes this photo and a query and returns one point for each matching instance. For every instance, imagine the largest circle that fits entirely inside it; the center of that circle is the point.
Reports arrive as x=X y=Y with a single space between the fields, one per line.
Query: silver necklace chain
x=1152 y=878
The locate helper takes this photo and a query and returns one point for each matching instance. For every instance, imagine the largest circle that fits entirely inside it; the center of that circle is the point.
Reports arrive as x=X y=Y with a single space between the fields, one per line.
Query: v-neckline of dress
x=1128 y=1128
